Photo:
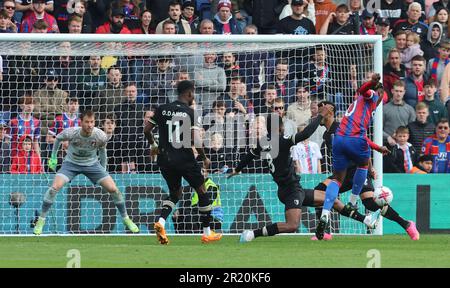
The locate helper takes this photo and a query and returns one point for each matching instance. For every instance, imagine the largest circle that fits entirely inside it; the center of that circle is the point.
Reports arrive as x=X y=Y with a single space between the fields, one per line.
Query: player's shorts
x=309 y=197
x=348 y=183
x=191 y=171
x=347 y=149
x=95 y=172
x=291 y=195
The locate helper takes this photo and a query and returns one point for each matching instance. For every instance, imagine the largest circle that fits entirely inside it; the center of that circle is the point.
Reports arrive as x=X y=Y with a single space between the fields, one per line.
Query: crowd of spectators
x=43 y=95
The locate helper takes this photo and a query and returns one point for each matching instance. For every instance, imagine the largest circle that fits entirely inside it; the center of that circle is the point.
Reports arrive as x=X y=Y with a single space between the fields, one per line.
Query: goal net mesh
x=45 y=85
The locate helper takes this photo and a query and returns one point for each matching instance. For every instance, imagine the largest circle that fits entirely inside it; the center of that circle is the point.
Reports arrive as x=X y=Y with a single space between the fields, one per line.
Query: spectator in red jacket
x=27 y=161
x=116 y=23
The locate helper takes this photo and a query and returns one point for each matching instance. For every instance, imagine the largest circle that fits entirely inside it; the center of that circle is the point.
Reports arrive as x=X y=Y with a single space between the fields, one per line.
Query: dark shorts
x=191 y=172
x=348 y=183
x=291 y=195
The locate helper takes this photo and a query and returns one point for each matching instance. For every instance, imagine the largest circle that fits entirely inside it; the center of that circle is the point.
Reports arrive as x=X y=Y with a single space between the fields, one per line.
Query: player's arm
x=252 y=154
x=381 y=149
x=309 y=130
x=373 y=84
x=198 y=144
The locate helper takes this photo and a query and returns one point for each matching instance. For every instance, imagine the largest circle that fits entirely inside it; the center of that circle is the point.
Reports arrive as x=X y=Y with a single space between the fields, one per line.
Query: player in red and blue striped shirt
x=350 y=145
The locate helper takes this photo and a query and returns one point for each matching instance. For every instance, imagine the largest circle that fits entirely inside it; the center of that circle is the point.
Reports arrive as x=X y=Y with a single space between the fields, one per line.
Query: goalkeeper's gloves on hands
x=52 y=162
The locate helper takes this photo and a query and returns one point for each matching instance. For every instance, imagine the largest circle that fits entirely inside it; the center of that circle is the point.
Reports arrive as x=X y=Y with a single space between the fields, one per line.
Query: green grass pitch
x=188 y=252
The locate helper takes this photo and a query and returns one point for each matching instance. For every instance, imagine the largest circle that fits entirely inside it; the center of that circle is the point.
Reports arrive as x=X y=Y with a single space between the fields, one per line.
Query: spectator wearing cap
x=435 y=106
x=339 y=23
x=412 y=23
x=5 y=148
x=49 y=100
x=182 y=26
x=297 y=23
x=224 y=23
x=188 y=14
x=367 y=26
x=436 y=66
x=383 y=29
x=6 y=25
x=390 y=9
x=37 y=13
x=115 y=25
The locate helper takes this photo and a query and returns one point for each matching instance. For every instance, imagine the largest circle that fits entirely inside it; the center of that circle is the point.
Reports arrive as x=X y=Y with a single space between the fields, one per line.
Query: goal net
x=47 y=82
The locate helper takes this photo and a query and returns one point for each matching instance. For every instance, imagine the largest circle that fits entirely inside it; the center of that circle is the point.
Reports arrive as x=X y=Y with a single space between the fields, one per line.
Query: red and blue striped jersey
x=19 y=127
x=358 y=116
x=440 y=151
x=63 y=122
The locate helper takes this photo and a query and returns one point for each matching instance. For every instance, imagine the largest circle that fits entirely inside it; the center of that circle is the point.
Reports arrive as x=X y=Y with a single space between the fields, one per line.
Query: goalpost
x=152 y=64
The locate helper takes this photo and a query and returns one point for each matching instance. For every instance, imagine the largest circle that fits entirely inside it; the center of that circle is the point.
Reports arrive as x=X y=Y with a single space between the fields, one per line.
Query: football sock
x=352 y=214
x=167 y=207
x=162 y=221
x=370 y=204
x=391 y=214
x=358 y=182
x=49 y=198
x=269 y=230
x=330 y=195
x=206 y=231
x=120 y=203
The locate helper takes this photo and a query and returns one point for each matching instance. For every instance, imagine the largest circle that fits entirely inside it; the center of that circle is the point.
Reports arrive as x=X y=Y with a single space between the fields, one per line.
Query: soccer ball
x=383 y=196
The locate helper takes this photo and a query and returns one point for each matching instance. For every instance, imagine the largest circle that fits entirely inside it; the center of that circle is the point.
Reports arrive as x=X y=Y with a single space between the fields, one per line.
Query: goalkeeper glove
x=52 y=162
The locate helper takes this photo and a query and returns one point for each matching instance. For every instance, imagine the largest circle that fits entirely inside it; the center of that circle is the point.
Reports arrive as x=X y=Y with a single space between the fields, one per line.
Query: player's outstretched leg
x=388 y=212
x=49 y=199
x=110 y=186
x=290 y=226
